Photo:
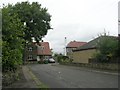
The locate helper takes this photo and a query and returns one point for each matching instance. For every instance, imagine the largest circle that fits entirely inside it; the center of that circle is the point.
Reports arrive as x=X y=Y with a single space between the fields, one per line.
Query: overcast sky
x=80 y=20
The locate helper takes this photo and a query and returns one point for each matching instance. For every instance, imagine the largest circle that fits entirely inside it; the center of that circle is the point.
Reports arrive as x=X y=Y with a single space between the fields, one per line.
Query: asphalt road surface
x=60 y=76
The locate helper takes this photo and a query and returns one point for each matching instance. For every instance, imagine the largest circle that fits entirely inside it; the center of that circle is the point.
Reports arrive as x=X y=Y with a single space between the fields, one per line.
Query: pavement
x=27 y=80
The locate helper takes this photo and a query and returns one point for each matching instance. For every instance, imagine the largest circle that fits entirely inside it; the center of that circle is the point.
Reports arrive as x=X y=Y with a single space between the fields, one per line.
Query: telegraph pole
x=65 y=46
x=118 y=32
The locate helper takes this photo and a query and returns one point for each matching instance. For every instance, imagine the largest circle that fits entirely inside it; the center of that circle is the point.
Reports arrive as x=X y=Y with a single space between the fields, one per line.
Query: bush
x=101 y=58
x=46 y=62
x=40 y=62
x=12 y=40
x=107 y=48
x=62 y=59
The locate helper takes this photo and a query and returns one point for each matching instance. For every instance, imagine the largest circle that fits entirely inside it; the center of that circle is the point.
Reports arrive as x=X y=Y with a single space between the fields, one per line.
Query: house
x=43 y=51
x=85 y=53
x=37 y=51
x=72 y=46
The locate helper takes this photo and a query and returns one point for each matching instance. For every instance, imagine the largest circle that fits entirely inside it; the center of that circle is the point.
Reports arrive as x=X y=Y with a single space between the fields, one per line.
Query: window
x=30 y=49
x=30 y=57
x=41 y=47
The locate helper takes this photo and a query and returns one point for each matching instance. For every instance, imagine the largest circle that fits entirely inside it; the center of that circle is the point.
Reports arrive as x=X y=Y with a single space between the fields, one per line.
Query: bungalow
x=84 y=53
x=37 y=51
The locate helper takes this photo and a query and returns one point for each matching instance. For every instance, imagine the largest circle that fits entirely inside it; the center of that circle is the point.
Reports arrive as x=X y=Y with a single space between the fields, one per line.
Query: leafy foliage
x=36 y=19
x=12 y=45
x=107 y=48
x=0 y=38
x=61 y=58
x=20 y=23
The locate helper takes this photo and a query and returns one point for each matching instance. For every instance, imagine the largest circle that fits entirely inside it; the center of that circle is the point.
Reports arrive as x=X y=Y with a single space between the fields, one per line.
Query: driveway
x=61 y=76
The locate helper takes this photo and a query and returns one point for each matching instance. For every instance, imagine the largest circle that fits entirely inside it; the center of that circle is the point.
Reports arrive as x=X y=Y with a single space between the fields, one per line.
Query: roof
x=93 y=43
x=75 y=44
x=43 y=48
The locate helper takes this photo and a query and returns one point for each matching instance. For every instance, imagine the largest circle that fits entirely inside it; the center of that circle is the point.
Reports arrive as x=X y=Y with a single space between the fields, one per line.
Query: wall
x=102 y=66
x=82 y=56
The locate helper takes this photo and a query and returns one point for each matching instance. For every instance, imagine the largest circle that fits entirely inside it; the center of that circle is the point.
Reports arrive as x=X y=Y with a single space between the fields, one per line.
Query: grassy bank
x=10 y=77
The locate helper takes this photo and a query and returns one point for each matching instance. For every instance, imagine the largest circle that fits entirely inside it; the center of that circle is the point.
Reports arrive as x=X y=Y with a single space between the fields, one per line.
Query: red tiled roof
x=75 y=44
x=43 y=48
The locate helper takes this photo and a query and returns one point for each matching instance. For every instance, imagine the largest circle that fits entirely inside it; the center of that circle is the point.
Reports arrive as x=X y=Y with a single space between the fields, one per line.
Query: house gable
x=44 y=49
x=73 y=45
x=33 y=50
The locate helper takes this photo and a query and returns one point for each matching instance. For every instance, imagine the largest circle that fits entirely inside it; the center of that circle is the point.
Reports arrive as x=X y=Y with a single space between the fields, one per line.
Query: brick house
x=72 y=46
x=37 y=51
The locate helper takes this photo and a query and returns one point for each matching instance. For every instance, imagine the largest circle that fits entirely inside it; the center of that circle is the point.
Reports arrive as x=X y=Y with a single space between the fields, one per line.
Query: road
x=60 y=76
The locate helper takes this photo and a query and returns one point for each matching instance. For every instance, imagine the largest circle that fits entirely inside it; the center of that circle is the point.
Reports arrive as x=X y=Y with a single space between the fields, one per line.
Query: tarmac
x=29 y=81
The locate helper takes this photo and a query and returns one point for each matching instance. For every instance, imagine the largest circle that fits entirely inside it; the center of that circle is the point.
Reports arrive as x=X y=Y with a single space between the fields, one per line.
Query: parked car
x=51 y=60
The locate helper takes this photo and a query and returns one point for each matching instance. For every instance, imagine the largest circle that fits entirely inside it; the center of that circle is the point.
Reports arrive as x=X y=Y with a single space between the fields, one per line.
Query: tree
x=107 y=48
x=12 y=41
x=36 y=19
x=21 y=22
x=0 y=36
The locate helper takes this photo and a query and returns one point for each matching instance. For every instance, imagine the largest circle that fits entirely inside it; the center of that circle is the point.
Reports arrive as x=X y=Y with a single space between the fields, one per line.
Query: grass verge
x=37 y=81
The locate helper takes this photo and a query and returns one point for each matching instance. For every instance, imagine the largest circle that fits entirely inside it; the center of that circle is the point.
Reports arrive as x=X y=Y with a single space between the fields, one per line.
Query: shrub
x=107 y=48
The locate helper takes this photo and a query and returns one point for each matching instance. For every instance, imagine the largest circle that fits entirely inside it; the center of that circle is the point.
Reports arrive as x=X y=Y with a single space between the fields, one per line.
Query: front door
x=38 y=58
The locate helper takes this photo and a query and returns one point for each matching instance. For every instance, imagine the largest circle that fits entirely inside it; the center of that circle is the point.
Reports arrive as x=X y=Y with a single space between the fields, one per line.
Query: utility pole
x=118 y=31
x=65 y=46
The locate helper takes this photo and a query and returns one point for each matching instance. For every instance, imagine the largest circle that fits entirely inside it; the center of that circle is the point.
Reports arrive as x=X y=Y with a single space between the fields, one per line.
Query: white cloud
x=78 y=19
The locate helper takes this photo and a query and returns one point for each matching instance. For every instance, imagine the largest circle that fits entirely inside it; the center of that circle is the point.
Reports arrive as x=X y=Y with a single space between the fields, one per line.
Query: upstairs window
x=41 y=47
x=30 y=49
